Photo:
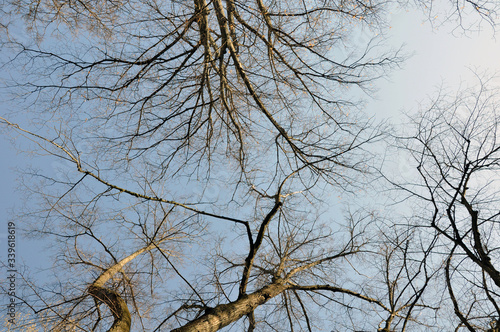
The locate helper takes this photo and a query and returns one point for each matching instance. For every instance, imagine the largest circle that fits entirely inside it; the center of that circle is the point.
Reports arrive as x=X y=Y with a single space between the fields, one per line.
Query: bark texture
x=224 y=314
x=116 y=304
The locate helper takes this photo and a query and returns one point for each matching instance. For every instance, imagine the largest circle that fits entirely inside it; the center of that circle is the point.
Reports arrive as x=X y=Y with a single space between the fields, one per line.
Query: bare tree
x=293 y=262
x=406 y=273
x=200 y=141
x=455 y=146
x=180 y=100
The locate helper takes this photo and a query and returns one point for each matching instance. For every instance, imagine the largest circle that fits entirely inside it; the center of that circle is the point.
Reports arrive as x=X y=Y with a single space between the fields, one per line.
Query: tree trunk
x=116 y=304
x=225 y=314
x=111 y=298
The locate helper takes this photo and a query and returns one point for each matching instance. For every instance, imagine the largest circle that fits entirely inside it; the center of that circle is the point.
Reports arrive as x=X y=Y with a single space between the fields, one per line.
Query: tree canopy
x=205 y=150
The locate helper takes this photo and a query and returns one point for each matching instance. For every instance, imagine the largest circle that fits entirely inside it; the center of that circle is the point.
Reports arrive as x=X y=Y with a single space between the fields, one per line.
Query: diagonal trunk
x=117 y=305
x=225 y=314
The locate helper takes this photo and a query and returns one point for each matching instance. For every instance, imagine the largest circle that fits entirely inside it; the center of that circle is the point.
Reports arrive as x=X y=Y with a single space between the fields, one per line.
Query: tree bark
x=116 y=304
x=225 y=314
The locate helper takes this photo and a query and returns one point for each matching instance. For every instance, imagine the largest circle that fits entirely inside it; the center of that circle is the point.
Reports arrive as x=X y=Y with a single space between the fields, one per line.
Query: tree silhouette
x=454 y=144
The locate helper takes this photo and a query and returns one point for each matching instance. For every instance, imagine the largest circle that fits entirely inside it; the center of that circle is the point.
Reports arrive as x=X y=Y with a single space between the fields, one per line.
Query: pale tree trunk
x=224 y=314
x=117 y=305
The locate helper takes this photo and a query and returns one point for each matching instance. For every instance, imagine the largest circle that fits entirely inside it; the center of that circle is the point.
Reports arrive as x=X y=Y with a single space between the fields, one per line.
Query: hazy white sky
x=441 y=56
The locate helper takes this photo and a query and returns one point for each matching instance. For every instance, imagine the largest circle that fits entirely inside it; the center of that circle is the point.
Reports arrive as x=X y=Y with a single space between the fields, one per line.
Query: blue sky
x=439 y=57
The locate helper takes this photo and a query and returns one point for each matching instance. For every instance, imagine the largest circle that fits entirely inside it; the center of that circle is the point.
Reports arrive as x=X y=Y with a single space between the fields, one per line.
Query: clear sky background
x=439 y=57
